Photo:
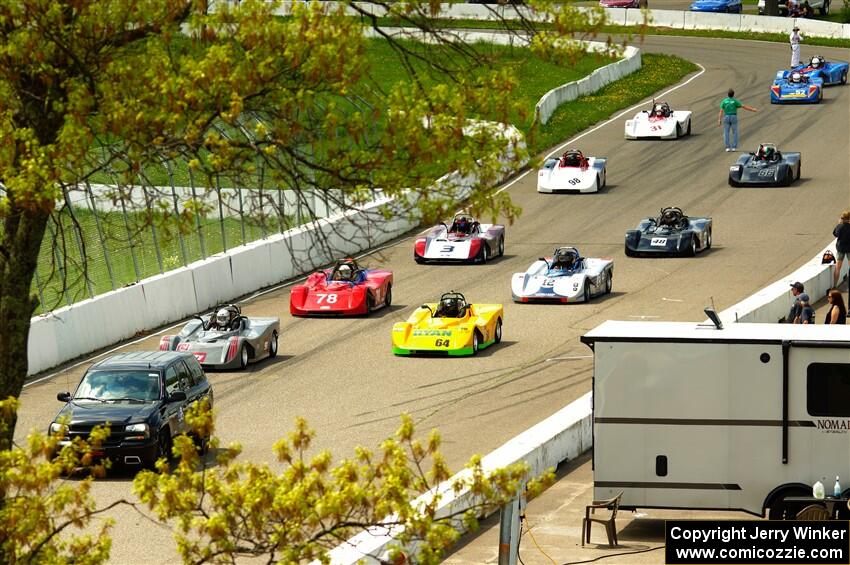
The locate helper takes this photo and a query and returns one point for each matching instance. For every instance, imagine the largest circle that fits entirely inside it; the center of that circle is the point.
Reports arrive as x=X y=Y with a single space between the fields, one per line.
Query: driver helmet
x=565 y=258
x=344 y=273
x=816 y=62
x=450 y=307
x=462 y=225
x=768 y=153
x=670 y=217
x=796 y=77
x=222 y=318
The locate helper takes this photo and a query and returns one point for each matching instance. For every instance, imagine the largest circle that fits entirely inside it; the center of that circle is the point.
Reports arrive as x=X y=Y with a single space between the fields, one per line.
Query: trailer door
x=817 y=428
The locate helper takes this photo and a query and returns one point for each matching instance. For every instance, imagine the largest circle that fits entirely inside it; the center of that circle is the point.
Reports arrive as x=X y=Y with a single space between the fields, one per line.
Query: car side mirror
x=541 y=258
x=177 y=396
x=64 y=396
x=425 y=307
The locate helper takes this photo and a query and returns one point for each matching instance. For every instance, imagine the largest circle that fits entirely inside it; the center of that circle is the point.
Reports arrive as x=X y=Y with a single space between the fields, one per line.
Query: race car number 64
x=330 y=298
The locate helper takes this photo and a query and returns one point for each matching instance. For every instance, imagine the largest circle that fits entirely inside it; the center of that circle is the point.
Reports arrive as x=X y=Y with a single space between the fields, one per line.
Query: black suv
x=142 y=396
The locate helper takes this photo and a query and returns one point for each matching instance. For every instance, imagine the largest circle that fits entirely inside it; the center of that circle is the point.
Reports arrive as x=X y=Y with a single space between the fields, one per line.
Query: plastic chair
x=813 y=512
x=610 y=527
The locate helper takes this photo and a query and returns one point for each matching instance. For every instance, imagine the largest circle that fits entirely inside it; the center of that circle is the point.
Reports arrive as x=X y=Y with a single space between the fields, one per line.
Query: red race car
x=345 y=290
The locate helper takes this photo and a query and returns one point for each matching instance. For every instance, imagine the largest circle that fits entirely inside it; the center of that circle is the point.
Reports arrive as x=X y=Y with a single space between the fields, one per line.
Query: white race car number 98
x=658 y=241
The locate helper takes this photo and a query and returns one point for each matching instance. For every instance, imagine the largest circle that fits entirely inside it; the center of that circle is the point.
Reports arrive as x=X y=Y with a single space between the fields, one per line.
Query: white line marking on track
x=671 y=299
x=644 y=317
x=570 y=358
x=603 y=124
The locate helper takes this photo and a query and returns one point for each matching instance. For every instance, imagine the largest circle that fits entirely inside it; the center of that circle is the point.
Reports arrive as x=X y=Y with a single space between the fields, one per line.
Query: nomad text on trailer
x=693 y=417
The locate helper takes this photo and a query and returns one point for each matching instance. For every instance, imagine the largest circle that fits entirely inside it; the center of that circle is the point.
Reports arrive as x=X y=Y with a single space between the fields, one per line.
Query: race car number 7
x=329 y=298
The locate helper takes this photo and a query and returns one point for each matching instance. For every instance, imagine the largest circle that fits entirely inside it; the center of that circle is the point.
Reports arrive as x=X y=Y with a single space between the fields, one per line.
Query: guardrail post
x=509 y=525
x=100 y=235
x=176 y=210
x=197 y=217
x=220 y=212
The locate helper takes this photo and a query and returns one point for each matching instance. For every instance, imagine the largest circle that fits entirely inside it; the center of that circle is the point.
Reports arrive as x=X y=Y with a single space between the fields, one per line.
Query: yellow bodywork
x=422 y=333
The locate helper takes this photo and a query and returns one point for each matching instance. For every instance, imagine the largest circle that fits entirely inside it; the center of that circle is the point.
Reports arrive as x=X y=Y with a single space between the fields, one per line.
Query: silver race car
x=564 y=277
x=225 y=339
x=465 y=240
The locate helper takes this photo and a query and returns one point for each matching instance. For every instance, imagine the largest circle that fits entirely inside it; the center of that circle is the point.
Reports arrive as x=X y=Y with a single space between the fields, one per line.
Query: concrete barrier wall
x=602 y=76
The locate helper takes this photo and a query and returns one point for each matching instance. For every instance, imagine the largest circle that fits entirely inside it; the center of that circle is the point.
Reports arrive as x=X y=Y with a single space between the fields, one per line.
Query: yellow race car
x=451 y=327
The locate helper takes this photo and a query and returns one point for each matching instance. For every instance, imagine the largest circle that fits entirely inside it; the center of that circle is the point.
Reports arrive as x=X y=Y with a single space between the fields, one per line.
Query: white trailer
x=693 y=417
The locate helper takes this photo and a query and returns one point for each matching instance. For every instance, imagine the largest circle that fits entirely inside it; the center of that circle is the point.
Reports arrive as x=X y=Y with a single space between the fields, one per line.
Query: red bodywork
x=320 y=297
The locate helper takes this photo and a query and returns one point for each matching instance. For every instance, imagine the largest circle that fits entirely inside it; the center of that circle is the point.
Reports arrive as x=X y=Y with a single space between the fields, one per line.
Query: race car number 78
x=330 y=298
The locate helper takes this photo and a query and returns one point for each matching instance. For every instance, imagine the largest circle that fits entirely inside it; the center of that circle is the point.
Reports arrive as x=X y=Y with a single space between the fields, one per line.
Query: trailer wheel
x=778 y=509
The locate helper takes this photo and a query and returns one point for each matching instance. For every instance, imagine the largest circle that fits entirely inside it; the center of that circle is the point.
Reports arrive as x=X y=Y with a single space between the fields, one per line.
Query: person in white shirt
x=795 y=38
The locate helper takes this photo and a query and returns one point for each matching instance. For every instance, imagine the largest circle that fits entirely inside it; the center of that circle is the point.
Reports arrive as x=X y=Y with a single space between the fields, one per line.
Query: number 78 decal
x=322 y=297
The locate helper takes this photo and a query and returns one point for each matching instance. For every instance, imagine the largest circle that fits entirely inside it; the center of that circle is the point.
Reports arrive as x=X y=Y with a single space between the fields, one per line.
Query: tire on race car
x=692 y=247
x=586 y=291
x=732 y=182
x=497 y=334
x=483 y=254
x=844 y=77
x=244 y=355
x=476 y=341
x=799 y=168
x=273 y=346
x=678 y=130
x=708 y=239
x=629 y=252
x=502 y=246
x=388 y=297
x=609 y=282
x=789 y=176
x=688 y=132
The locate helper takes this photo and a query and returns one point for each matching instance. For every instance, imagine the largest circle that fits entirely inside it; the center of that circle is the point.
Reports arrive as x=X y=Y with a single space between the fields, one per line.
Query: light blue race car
x=830 y=72
x=726 y=6
x=796 y=88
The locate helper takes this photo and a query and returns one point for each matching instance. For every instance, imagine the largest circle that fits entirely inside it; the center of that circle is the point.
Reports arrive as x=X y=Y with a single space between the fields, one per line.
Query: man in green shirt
x=728 y=116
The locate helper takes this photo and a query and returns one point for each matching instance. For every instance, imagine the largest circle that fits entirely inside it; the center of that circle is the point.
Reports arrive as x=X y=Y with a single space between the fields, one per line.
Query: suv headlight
x=57 y=428
x=137 y=431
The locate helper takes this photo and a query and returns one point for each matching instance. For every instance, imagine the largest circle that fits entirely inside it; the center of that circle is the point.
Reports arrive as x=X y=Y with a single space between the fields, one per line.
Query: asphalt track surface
x=341 y=375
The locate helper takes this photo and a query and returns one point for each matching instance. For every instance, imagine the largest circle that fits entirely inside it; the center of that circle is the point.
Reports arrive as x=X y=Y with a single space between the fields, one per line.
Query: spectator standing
x=796 y=38
x=842 y=243
x=807 y=10
x=728 y=116
x=794 y=313
x=807 y=313
x=837 y=313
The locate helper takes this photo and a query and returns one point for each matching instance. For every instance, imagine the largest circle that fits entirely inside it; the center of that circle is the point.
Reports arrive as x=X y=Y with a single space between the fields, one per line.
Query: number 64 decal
x=329 y=298
x=442 y=343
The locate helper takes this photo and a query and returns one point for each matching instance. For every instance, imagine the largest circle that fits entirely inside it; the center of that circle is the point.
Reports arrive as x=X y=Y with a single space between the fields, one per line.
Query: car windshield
x=119 y=386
